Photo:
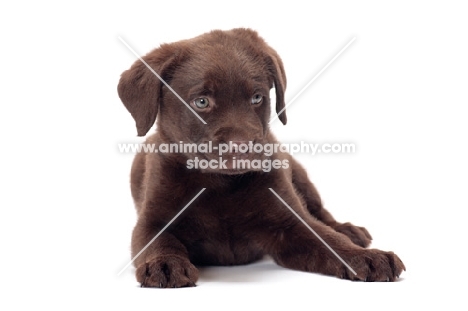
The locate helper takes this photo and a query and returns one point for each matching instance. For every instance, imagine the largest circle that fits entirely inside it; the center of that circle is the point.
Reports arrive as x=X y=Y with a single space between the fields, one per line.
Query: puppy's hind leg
x=358 y=235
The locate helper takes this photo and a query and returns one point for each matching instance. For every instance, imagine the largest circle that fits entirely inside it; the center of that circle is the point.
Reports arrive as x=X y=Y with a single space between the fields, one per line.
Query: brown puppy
x=226 y=76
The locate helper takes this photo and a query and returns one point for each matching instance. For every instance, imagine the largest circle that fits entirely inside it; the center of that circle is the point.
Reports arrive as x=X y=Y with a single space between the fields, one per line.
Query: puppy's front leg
x=297 y=247
x=164 y=263
x=301 y=250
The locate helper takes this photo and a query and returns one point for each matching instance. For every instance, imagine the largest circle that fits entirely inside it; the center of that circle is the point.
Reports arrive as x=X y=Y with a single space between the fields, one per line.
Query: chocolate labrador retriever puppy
x=225 y=77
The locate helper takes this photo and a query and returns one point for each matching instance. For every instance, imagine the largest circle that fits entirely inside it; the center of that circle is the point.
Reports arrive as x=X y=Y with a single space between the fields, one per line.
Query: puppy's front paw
x=167 y=271
x=373 y=265
x=358 y=235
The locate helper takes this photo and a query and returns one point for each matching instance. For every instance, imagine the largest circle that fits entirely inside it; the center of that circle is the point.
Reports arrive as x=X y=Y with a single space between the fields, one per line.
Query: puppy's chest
x=219 y=235
x=217 y=219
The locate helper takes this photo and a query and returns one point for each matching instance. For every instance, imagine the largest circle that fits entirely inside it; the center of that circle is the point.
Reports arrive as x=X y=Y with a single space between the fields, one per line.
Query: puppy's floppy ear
x=140 y=90
x=279 y=78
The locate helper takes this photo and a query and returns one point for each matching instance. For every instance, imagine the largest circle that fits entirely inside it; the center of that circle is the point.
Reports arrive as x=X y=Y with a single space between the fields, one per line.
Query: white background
x=399 y=93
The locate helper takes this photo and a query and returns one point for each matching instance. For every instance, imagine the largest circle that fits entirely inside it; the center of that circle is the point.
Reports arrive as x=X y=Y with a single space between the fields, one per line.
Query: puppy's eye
x=256 y=99
x=201 y=102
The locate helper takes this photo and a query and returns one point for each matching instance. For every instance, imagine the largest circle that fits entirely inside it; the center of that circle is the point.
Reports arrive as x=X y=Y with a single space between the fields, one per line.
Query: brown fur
x=236 y=220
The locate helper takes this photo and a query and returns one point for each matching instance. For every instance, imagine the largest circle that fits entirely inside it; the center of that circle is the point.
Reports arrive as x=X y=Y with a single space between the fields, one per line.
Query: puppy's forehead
x=224 y=61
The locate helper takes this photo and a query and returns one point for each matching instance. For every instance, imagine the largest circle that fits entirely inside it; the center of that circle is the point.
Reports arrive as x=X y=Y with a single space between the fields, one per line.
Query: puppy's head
x=224 y=76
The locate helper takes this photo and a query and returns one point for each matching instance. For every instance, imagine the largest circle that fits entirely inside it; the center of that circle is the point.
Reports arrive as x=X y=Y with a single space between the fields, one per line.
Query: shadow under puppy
x=226 y=77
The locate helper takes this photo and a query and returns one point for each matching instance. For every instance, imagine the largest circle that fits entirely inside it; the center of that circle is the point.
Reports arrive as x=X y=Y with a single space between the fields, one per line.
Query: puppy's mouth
x=232 y=172
x=235 y=163
x=228 y=163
